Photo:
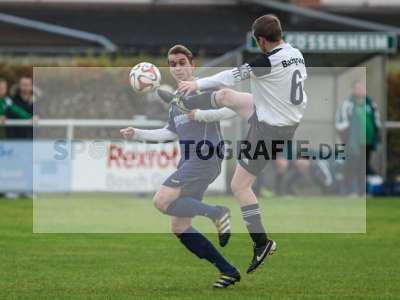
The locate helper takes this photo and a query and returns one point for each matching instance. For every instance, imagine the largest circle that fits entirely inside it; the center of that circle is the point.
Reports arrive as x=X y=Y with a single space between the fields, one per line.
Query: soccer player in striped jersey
x=180 y=196
x=274 y=109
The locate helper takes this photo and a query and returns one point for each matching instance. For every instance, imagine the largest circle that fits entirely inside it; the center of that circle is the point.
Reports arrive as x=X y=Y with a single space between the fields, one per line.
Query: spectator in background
x=23 y=98
x=279 y=187
x=3 y=94
x=281 y=167
x=358 y=123
x=289 y=173
x=8 y=107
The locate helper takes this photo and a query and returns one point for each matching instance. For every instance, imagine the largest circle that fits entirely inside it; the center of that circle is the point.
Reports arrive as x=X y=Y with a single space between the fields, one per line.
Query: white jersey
x=279 y=96
x=277 y=84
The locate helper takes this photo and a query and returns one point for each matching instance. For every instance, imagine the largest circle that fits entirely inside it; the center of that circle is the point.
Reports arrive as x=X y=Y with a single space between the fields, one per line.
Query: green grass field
x=156 y=266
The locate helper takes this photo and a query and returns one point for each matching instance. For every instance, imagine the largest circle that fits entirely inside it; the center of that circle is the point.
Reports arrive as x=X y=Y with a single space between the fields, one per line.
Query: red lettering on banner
x=174 y=157
x=163 y=163
x=118 y=158
x=129 y=159
x=152 y=155
x=142 y=160
x=112 y=156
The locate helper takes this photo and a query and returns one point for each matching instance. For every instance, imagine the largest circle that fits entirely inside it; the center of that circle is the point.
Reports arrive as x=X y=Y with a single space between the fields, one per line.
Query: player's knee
x=164 y=197
x=179 y=226
x=224 y=97
x=160 y=202
x=239 y=188
x=235 y=188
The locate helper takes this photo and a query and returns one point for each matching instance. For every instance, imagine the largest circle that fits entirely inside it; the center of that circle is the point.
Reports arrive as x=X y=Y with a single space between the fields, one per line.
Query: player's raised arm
x=168 y=133
x=148 y=135
x=221 y=79
x=260 y=66
x=212 y=115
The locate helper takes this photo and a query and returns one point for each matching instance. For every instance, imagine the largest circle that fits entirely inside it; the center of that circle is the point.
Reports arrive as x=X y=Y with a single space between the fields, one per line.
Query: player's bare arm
x=213 y=115
x=150 y=135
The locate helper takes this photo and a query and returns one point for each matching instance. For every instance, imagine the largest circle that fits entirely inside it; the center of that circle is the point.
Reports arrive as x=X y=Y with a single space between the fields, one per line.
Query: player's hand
x=2 y=120
x=192 y=115
x=128 y=132
x=187 y=87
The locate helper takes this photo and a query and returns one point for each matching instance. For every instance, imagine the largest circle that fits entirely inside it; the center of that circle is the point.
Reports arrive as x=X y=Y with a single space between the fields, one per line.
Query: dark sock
x=201 y=101
x=190 y=207
x=204 y=249
x=278 y=183
x=291 y=181
x=252 y=219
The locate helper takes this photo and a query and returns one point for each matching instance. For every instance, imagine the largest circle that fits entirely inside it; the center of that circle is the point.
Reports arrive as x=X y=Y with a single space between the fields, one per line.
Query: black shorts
x=194 y=177
x=261 y=132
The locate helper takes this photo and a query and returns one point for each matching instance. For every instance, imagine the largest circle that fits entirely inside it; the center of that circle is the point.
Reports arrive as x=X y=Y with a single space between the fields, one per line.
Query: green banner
x=337 y=42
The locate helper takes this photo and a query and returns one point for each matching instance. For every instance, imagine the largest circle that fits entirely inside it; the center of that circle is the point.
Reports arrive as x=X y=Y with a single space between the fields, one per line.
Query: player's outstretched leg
x=199 y=245
x=241 y=103
x=190 y=207
x=168 y=201
x=187 y=103
x=242 y=182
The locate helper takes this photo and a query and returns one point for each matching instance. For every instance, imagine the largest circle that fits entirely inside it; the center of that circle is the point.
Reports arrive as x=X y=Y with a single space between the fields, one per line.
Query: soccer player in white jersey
x=274 y=109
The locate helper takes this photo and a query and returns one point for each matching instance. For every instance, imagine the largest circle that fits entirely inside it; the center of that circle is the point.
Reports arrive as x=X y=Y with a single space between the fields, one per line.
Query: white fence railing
x=71 y=124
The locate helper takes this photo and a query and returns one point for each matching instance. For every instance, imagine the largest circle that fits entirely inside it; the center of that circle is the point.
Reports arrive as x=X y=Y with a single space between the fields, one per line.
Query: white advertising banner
x=363 y=3
x=127 y=167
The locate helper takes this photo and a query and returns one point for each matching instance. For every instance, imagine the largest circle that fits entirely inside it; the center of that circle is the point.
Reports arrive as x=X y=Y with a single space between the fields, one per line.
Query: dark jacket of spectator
x=20 y=132
x=27 y=106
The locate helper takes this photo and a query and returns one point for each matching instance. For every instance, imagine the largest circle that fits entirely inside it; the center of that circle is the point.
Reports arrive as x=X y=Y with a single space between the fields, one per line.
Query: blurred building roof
x=153 y=28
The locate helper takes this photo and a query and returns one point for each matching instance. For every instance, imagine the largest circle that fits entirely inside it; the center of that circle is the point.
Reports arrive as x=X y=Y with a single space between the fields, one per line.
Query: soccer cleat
x=226 y=280
x=166 y=96
x=260 y=254
x=173 y=98
x=223 y=224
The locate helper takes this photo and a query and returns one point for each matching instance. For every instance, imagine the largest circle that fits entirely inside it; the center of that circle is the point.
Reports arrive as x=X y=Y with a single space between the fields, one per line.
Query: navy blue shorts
x=194 y=177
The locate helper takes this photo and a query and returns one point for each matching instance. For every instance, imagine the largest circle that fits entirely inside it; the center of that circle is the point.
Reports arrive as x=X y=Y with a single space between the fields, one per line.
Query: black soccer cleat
x=260 y=254
x=173 y=98
x=166 y=96
x=226 y=280
x=223 y=224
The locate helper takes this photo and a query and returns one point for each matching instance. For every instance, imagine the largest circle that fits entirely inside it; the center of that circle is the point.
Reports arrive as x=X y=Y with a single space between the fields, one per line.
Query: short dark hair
x=180 y=49
x=268 y=27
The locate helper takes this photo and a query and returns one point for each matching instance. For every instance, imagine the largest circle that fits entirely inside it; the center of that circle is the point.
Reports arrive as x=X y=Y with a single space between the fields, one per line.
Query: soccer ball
x=144 y=77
